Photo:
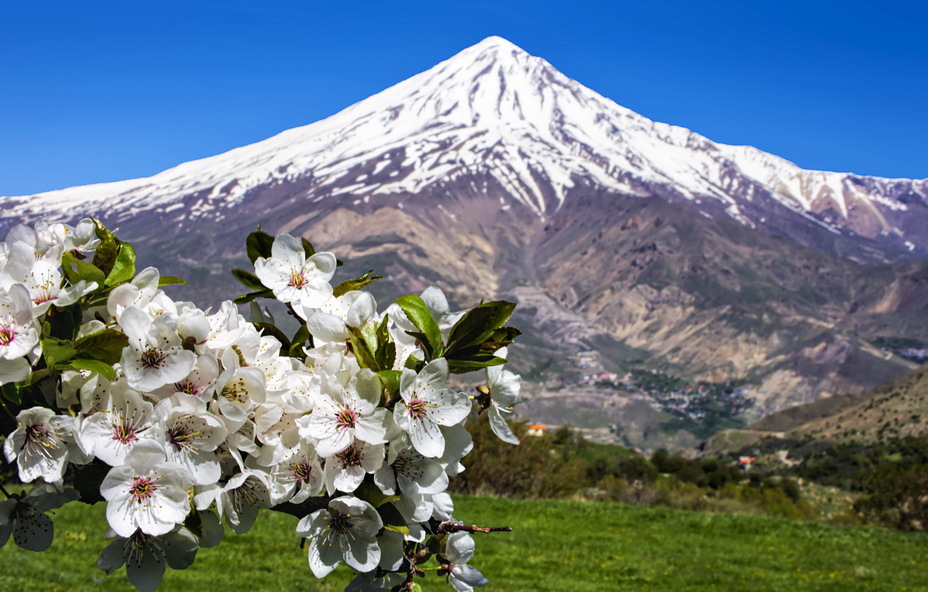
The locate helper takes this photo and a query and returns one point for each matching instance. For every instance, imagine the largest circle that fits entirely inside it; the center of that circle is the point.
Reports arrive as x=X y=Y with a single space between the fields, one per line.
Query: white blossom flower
x=294 y=279
x=298 y=476
x=139 y=292
x=459 y=549
x=145 y=556
x=345 y=531
x=82 y=237
x=458 y=444
x=42 y=445
x=18 y=335
x=146 y=493
x=343 y=413
x=239 y=500
x=345 y=470
x=409 y=471
x=426 y=404
x=16 y=370
x=503 y=388
x=190 y=435
x=119 y=421
x=155 y=355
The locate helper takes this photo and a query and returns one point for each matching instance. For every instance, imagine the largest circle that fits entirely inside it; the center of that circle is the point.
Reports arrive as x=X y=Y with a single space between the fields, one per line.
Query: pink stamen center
x=340 y=523
x=182 y=437
x=187 y=387
x=417 y=407
x=301 y=471
x=152 y=358
x=346 y=418
x=124 y=433
x=350 y=457
x=7 y=335
x=142 y=489
x=297 y=280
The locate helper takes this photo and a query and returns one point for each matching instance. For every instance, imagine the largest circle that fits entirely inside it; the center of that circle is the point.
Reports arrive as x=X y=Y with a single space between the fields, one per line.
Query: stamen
x=142 y=489
x=346 y=418
x=297 y=280
x=153 y=358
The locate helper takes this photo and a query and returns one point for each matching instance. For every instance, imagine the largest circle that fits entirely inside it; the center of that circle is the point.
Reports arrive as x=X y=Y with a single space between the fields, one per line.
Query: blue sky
x=100 y=91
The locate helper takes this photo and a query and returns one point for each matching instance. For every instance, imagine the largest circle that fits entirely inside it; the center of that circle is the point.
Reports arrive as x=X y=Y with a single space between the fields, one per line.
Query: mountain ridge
x=495 y=108
x=568 y=205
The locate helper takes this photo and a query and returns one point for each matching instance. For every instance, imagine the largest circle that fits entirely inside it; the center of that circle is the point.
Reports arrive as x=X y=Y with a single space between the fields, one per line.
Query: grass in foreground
x=555 y=546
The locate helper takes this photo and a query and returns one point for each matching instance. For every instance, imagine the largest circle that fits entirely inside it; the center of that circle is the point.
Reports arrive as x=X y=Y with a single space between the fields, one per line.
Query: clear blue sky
x=100 y=91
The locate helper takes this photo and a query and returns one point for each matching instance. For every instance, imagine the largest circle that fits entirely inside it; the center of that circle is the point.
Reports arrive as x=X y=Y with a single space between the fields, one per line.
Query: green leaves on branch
x=250 y=280
x=356 y=284
x=258 y=244
x=472 y=340
x=114 y=258
x=478 y=334
x=96 y=352
x=373 y=345
x=429 y=334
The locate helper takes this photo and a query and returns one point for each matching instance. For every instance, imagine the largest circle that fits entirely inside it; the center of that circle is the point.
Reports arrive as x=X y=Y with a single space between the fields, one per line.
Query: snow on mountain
x=495 y=110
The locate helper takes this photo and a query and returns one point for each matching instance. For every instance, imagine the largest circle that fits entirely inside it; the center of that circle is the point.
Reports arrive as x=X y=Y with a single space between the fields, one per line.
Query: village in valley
x=640 y=408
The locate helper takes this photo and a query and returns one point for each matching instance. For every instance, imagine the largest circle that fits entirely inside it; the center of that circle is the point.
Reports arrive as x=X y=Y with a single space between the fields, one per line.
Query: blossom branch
x=449 y=527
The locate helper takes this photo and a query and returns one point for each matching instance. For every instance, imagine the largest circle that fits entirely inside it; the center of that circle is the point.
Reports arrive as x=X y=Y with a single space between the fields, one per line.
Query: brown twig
x=448 y=527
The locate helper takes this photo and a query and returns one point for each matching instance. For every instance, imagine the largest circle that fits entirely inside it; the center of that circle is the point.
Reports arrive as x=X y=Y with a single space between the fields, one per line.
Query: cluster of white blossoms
x=181 y=418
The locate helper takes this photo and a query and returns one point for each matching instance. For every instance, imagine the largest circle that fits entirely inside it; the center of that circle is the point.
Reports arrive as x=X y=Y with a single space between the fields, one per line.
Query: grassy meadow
x=556 y=545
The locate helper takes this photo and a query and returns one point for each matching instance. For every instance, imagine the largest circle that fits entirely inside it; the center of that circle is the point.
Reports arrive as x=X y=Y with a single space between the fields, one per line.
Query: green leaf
x=392 y=518
x=471 y=362
x=258 y=244
x=299 y=340
x=248 y=279
x=386 y=348
x=419 y=315
x=11 y=392
x=390 y=380
x=123 y=267
x=76 y=270
x=356 y=284
x=105 y=346
x=258 y=314
x=361 y=349
x=101 y=368
x=64 y=323
x=57 y=351
x=104 y=256
x=478 y=324
x=40 y=375
x=308 y=247
x=170 y=280
x=246 y=298
x=370 y=493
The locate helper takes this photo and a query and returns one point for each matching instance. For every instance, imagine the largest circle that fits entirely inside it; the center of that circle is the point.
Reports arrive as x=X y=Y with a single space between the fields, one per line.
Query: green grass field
x=555 y=545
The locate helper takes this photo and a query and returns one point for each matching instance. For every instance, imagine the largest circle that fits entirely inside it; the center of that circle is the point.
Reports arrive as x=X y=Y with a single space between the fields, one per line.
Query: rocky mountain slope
x=494 y=174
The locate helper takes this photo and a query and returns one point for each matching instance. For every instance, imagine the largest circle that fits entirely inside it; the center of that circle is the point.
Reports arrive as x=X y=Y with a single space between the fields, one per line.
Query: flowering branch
x=179 y=419
x=449 y=527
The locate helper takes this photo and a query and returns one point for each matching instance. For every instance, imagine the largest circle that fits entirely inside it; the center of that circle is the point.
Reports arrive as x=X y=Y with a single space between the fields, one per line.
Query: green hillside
x=554 y=546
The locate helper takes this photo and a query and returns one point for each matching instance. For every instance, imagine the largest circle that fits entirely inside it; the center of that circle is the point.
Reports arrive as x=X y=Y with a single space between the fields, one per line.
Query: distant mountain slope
x=493 y=174
x=896 y=409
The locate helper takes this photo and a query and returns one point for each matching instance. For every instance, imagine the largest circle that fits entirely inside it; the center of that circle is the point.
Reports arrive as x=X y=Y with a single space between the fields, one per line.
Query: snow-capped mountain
x=492 y=174
x=513 y=126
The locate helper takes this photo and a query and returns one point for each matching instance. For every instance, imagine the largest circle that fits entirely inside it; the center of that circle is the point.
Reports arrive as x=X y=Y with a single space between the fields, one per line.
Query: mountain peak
x=518 y=128
x=497 y=43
